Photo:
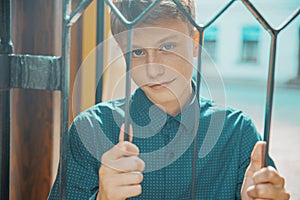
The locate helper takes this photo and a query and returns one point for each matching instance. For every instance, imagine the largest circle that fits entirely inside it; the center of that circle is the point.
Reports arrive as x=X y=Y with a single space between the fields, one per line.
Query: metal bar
x=130 y=24
x=219 y=13
x=269 y=97
x=271 y=73
x=145 y=12
x=199 y=66
x=65 y=85
x=76 y=14
x=128 y=84
x=185 y=12
x=30 y=72
x=298 y=74
x=258 y=16
x=6 y=45
x=35 y=72
x=5 y=143
x=4 y=71
x=198 y=84
x=288 y=20
x=270 y=85
x=100 y=49
x=117 y=12
x=6 y=48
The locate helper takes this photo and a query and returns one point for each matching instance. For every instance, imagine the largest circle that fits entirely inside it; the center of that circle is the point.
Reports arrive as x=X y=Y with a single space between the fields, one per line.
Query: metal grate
x=58 y=71
x=201 y=28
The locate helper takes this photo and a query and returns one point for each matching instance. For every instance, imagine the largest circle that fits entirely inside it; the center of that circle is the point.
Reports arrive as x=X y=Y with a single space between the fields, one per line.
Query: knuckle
x=270 y=174
x=259 y=190
x=140 y=164
x=130 y=147
x=125 y=145
x=136 y=149
x=282 y=180
x=121 y=145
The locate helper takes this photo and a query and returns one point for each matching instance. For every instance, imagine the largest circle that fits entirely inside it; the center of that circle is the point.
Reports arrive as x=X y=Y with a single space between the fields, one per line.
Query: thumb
x=257 y=156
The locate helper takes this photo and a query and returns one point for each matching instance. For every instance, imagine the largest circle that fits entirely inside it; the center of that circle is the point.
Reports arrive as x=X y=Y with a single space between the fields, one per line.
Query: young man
x=165 y=116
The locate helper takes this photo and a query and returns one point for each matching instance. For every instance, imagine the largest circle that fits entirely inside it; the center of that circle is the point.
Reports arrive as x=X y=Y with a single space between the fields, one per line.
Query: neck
x=174 y=107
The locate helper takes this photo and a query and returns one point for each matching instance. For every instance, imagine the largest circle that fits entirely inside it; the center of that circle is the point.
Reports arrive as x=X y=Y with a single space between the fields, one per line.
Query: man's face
x=162 y=60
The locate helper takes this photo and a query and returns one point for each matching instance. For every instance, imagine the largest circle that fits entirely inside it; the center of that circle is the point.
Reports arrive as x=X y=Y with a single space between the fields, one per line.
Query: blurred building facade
x=239 y=47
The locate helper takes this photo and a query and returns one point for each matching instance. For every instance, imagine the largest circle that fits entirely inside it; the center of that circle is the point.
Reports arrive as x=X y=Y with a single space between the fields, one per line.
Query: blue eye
x=138 y=52
x=168 y=47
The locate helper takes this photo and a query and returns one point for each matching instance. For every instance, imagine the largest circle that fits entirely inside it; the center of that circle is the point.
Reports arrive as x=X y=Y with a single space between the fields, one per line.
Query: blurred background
x=235 y=67
x=238 y=47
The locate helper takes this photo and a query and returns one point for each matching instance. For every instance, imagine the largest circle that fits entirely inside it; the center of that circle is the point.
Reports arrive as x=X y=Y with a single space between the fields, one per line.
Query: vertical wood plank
x=34 y=25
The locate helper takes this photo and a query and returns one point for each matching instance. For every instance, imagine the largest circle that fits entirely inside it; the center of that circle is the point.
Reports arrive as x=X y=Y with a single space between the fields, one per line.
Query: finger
x=121 y=135
x=127 y=164
x=123 y=179
x=127 y=149
x=269 y=175
x=121 y=149
x=130 y=191
x=120 y=192
x=267 y=191
x=257 y=156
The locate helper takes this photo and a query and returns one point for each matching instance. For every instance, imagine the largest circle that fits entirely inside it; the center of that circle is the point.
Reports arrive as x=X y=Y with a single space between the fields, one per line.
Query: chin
x=160 y=96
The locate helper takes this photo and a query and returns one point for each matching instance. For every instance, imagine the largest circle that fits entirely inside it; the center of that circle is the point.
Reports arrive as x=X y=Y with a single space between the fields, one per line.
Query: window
x=250 y=38
x=210 y=43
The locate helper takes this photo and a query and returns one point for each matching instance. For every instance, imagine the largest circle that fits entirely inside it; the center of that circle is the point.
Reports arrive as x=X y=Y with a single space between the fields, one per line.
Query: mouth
x=158 y=86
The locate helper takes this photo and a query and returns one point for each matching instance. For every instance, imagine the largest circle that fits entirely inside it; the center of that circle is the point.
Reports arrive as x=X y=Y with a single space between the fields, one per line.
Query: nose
x=154 y=66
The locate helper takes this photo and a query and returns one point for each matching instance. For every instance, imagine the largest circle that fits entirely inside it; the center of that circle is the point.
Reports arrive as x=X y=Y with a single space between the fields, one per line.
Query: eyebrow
x=172 y=36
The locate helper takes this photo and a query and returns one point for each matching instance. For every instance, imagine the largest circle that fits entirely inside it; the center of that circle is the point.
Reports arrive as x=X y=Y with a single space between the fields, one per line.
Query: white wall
x=230 y=38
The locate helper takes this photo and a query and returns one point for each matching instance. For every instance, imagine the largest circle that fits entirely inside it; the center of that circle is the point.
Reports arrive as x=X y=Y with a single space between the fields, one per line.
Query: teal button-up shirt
x=225 y=141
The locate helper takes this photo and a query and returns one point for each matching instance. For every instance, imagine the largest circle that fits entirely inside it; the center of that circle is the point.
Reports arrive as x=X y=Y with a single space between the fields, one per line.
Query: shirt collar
x=190 y=113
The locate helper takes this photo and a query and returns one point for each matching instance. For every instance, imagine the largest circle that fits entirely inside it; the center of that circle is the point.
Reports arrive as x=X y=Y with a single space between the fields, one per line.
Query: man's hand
x=262 y=182
x=121 y=169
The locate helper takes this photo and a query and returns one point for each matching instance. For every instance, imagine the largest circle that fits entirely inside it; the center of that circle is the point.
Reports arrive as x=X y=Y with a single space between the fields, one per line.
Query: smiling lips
x=159 y=86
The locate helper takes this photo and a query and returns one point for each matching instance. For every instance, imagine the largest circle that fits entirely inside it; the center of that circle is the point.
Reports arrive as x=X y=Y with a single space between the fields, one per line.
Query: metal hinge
x=30 y=72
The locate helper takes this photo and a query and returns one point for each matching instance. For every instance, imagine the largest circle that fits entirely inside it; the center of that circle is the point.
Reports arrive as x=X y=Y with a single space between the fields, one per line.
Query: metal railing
x=58 y=70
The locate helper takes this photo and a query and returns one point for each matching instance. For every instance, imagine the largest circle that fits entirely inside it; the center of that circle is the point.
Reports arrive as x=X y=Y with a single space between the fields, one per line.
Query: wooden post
x=36 y=31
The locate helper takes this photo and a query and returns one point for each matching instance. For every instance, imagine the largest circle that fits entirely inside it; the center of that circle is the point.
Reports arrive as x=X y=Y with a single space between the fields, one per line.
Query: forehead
x=152 y=34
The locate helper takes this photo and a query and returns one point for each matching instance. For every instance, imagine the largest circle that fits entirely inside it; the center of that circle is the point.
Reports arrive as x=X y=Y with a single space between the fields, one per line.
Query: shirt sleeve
x=81 y=170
